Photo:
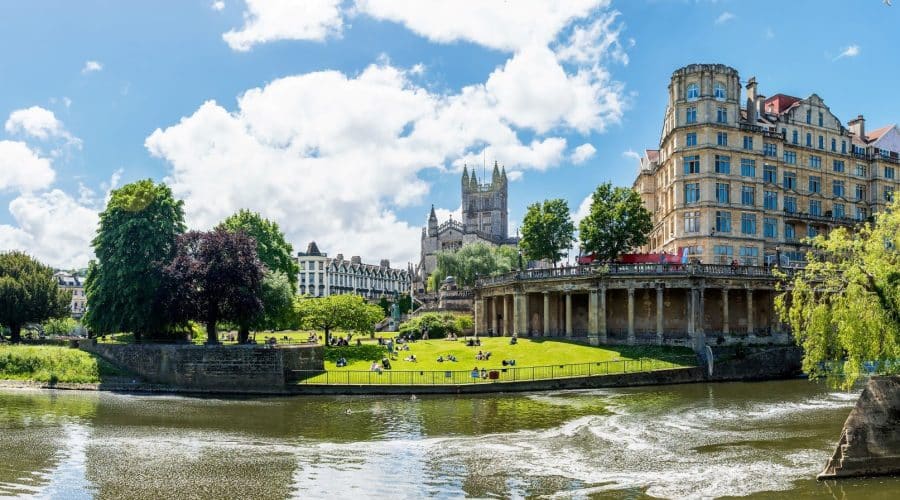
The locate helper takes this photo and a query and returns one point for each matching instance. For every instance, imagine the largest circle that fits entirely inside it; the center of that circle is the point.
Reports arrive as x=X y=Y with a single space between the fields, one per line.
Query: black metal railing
x=494 y=375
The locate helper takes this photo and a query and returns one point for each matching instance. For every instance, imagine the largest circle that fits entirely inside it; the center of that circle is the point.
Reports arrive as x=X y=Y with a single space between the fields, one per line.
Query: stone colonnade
x=620 y=310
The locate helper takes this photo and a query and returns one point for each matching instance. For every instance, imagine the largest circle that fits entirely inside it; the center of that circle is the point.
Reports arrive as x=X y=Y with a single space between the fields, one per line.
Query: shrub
x=365 y=352
x=438 y=325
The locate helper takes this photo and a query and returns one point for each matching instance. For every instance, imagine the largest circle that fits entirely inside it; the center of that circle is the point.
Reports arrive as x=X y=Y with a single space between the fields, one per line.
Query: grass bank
x=52 y=364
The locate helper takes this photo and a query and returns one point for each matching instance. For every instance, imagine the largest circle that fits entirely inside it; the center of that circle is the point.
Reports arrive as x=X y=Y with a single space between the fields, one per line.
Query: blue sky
x=344 y=120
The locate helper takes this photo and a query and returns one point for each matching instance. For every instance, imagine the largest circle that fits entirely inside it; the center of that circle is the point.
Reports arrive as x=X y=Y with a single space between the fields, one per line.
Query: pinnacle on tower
x=432 y=215
x=465 y=177
x=503 y=175
x=495 y=178
x=473 y=182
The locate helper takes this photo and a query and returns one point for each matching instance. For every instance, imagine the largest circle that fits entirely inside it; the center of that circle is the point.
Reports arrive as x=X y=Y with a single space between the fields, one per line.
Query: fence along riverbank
x=488 y=376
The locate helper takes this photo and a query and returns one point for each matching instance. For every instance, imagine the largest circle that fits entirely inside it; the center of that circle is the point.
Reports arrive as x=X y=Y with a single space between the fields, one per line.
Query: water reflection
x=765 y=439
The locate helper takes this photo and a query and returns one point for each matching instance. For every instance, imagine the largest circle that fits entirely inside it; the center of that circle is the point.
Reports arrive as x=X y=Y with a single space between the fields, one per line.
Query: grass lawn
x=557 y=356
x=282 y=336
x=44 y=363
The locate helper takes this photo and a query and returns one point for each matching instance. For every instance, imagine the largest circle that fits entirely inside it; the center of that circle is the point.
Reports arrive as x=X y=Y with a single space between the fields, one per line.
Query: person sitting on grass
x=411 y=358
x=477 y=342
x=513 y=340
x=487 y=356
x=375 y=367
x=484 y=374
x=341 y=362
x=440 y=358
x=479 y=356
x=386 y=363
x=451 y=357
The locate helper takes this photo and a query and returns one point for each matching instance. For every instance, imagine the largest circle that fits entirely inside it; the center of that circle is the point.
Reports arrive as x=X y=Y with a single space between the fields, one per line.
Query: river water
x=763 y=440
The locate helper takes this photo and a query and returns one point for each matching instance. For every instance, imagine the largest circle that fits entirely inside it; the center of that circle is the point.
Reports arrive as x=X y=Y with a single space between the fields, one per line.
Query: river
x=762 y=440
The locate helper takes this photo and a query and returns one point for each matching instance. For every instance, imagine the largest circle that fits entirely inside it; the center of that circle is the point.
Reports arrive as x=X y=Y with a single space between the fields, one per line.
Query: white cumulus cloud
x=271 y=20
x=583 y=153
x=218 y=5
x=725 y=17
x=850 y=51
x=91 y=67
x=39 y=123
x=631 y=154
x=22 y=169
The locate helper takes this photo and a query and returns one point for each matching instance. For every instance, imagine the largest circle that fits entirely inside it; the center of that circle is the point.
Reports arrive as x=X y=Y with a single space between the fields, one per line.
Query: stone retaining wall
x=242 y=369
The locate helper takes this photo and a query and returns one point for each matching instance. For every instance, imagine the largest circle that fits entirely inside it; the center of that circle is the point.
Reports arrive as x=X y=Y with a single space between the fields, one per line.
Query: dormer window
x=719 y=91
x=693 y=91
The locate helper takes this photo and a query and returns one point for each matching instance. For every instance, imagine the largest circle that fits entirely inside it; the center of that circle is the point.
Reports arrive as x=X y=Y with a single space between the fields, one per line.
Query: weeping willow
x=844 y=307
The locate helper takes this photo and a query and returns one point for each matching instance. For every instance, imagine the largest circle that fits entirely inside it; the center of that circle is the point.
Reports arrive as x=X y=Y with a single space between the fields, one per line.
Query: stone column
x=692 y=308
x=659 y=315
x=725 y=326
x=477 y=316
x=494 y=316
x=526 y=316
x=630 y=316
x=593 y=324
x=506 y=328
x=750 y=327
x=517 y=314
x=602 y=315
x=569 y=328
x=546 y=331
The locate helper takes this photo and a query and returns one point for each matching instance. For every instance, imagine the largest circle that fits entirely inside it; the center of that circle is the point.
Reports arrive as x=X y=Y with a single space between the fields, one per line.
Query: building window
x=843 y=147
x=770 y=174
x=691 y=115
x=748 y=195
x=811 y=231
x=692 y=164
x=809 y=140
x=888 y=193
x=861 y=213
x=888 y=172
x=770 y=200
x=809 y=116
x=770 y=149
x=821 y=142
x=815 y=184
x=837 y=188
x=821 y=119
x=748 y=167
x=790 y=180
x=691 y=192
x=815 y=207
x=721 y=115
x=724 y=254
x=693 y=91
x=790 y=233
x=748 y=142
x=723 y=164
x=690 y=139
x=838 y=165
x=833 y=144
x=719 y=91
x=748 y=224
x=723 y=221
x=860 y=192
x=722 y=139
x=790 y=157
x=790 y=204
x=838 y=211
x=795 y=137
x=815 y=161
x=770 y=227
x=692 y=222
x=749 y=256
x=722 y=192
x=861 y=170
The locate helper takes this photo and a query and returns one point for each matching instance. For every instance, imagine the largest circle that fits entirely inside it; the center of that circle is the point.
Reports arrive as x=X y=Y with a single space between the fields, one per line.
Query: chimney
x=355 y=260
x=752 y=108
x=858 y=127
x=760 y=105
x=339 y=257
x=385 y=263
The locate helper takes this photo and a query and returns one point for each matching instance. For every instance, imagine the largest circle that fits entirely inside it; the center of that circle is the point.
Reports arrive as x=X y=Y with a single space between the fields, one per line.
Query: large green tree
x=844 y=306
x=215 y=276
x=273 y=249
x=345 y=312
x=617 y=223
x=477 y=259
x=28 y=293
x=135 y=239
x=547 y=231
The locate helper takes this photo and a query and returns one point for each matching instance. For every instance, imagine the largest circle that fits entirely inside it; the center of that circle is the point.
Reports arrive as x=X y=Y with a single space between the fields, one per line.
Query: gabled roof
x=652 y=154
x=877 y=133
x=780 y=103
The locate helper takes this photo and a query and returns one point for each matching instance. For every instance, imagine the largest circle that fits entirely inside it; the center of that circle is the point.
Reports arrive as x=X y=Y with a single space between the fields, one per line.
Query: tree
x=478 y=259
x=277 y=297
x=617 y=222
x=28 y=293
x=547 y=231
x=346 y=312
x=59 y=326
x=844 y=306
x=273 y=249
x=135 y=240
x=215 y=276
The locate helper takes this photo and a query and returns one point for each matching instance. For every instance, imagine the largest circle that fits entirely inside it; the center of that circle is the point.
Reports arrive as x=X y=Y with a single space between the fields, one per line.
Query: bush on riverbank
x=439 y=325
x=365 y=352
x=52 y=364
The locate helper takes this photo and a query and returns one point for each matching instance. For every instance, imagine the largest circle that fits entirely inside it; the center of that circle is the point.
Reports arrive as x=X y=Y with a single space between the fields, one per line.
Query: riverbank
x=53 y=364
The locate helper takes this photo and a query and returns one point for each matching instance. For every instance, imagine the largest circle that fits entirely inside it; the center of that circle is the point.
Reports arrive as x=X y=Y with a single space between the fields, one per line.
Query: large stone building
x=74 y=284
x=750 y=179
x=321 y=276
x=484 y=219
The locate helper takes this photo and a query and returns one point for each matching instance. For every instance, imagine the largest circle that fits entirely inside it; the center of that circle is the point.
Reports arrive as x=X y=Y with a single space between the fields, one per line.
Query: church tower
x=484 y=206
